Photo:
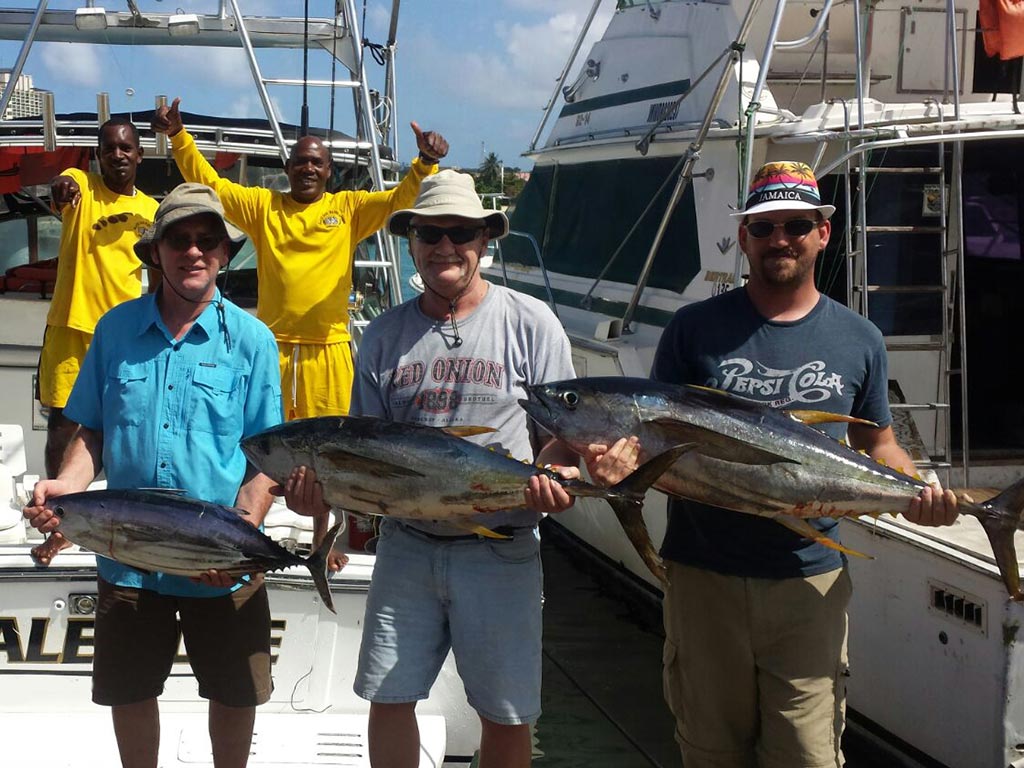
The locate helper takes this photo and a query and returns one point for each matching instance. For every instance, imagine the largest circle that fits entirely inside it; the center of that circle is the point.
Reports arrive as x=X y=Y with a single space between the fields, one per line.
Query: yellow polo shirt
x=303 y=251
x=96 y=266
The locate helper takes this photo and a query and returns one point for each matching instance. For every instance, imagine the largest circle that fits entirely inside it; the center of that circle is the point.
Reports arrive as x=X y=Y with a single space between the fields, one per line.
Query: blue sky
x=479 y=72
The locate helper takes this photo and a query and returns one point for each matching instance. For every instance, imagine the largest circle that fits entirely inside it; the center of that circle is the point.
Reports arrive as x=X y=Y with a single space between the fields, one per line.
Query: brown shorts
x=227 y=640
x=755 y=669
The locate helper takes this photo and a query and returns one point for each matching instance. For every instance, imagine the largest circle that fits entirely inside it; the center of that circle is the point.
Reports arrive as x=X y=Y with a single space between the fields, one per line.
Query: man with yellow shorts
x=305 y=240
x=102 y=217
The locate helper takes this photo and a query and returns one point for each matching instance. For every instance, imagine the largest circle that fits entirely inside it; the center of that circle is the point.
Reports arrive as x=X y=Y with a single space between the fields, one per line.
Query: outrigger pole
x=692 y=154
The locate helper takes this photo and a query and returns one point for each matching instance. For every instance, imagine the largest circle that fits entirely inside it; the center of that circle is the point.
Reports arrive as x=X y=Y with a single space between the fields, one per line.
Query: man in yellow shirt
x=102 y=217
x=305 y=240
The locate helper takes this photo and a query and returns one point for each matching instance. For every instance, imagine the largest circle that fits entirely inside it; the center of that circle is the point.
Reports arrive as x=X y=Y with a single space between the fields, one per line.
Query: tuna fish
x=380 y=467
x=158 y=530
x=755 y=459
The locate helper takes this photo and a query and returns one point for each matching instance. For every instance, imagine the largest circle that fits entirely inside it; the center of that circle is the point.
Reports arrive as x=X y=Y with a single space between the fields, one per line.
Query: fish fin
x=479 y=530
x=716 y=445
x=354 y=462
x=317 y=564
x=467 y=431
x=801 y=527
x=631 y=518
x=824 y=417
x=1005 y=517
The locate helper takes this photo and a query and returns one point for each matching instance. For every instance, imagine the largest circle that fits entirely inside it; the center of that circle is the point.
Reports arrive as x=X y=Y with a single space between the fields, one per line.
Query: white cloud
x=70 y=65
x=227 y=68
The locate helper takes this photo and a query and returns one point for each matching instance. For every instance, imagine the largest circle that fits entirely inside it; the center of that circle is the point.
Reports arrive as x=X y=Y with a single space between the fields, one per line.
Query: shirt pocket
x=216 y=401
x=128 y=396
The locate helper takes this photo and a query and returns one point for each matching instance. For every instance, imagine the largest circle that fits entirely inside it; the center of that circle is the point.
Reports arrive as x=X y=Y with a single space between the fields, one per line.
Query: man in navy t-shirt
x=755 y=615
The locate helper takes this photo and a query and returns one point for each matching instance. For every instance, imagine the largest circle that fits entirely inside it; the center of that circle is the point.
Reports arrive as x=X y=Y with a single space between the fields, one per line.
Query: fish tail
x=631 y=518
x=628 y=503
x=1006 y=517
x=317 y=564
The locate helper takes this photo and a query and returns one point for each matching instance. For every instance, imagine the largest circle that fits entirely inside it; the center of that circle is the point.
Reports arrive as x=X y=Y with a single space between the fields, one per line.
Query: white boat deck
x=279 y=741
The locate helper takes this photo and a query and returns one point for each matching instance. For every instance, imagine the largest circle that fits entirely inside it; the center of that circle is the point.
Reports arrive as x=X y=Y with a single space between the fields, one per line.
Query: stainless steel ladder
x=862 y=288
x=369 y=133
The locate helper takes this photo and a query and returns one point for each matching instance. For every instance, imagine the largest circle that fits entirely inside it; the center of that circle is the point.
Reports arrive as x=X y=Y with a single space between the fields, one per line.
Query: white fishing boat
x=915 y=135
x=46 y=614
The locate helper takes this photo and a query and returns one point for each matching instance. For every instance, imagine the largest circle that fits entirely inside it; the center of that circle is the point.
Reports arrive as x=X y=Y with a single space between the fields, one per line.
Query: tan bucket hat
x=449 y=193
x=182 y=202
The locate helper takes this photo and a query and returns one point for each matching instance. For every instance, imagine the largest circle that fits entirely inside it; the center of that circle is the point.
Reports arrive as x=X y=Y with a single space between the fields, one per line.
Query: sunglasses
x=793 y=228
x=205 y=243
x=432 y=235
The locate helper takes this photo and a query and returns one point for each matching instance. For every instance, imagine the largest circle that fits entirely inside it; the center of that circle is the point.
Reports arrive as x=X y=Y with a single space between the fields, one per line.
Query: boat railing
x=540 y=263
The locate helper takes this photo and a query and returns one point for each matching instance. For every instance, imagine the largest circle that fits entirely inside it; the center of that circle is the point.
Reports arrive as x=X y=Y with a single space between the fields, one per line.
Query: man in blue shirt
x=171 y=384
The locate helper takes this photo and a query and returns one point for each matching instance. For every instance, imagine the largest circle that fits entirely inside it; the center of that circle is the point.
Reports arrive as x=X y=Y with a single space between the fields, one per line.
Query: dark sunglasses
x=432 y=235
x=793 y=228
x=205 y=243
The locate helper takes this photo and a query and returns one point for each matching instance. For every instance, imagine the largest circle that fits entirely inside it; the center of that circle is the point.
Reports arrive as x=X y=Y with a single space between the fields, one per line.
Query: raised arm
x=240 y=202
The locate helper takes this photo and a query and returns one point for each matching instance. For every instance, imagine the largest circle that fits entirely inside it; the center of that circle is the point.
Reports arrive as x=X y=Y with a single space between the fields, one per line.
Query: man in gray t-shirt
x=460 y=354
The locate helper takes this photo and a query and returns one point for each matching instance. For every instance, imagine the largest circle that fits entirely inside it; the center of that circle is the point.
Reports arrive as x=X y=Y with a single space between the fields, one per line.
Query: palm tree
x=489 y=174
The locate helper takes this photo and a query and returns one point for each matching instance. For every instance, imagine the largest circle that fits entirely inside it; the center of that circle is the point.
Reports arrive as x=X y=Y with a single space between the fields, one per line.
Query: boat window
x=14 y=233
x=578 y=230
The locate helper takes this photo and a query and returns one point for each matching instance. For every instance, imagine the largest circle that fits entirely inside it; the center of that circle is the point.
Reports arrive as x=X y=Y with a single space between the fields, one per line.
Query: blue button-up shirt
x=172 y=413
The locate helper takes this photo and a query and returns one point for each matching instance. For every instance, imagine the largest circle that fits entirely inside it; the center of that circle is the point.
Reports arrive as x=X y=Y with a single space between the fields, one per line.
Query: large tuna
x=380 y=467
x=752 y=458
x=156 y=530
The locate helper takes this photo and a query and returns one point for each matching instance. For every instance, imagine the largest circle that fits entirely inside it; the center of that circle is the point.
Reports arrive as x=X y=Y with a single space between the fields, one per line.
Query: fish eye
x=571 y=400
x=58 y=511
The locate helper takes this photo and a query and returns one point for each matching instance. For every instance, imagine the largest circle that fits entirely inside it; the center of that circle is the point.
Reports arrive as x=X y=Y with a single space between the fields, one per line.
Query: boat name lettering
x=809 y=383
x=76 y=647
x=44 y=646
x=583 y=118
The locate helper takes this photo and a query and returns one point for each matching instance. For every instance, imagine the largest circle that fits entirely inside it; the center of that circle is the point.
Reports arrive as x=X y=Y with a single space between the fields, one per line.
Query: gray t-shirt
x=409 y=369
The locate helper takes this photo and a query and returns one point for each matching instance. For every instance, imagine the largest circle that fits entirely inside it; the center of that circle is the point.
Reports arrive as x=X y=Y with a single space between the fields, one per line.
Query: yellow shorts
x=316 y=379
x=755 y=669
x=59 y=363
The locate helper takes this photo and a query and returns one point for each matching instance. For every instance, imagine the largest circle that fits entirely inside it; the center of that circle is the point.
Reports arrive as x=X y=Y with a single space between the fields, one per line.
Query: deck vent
x=959 y=606
x=663 y=111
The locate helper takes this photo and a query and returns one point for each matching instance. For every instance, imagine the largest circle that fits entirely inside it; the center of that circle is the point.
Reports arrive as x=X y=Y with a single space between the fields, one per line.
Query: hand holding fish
x=545 y=496
x=608 y=466
x=43 y=519
x=215 y=578
x=37 y=513
x=304 y=495
x=933 y=506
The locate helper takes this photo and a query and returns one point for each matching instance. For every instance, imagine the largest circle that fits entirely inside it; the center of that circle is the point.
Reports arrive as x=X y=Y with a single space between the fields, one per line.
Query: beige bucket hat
x=449 y=193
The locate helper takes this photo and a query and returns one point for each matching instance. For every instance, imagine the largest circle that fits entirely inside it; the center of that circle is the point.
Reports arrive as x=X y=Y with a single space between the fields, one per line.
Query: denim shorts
x=480 y=598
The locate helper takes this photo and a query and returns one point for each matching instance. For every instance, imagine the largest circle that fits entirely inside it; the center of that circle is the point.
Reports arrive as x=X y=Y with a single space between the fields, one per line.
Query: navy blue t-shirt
x=829 y=360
